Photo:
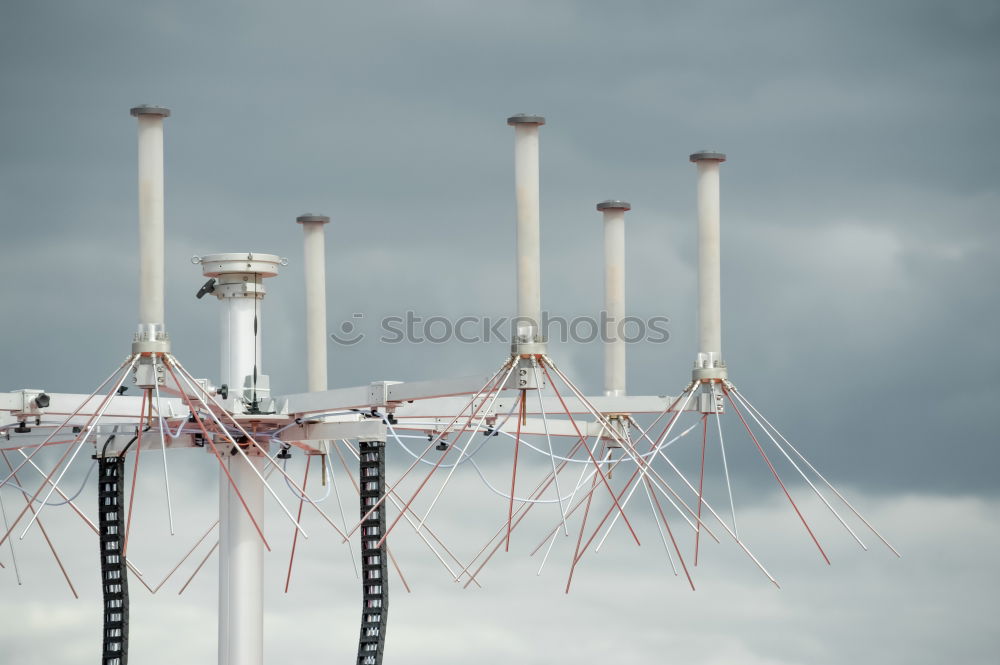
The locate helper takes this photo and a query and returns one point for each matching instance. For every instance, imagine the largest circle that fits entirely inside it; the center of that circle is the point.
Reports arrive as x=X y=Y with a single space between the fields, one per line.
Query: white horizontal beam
x=377 y=395
x=532 y=426
x=450 y=406
x=362 y=430
x=64 y=404
x=424 y=390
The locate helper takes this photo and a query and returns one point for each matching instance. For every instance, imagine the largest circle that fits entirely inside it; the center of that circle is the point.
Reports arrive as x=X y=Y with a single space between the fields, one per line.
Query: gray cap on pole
x=526 y=119
x=309 y=217
x=614 y=204
x=149 y=109
x=708 y=155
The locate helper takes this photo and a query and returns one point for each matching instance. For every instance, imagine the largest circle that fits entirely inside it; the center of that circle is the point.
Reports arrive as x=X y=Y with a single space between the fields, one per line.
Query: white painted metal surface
x=550 y=404
x=709 y=266
x=614 y=296
x=241 y=291
x=529 y=295
x=241 y=634
x=314 y=254
x=151 y=270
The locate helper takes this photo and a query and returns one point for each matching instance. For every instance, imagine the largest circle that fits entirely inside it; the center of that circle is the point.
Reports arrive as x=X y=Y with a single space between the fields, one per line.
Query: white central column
x=529 y=292
x=151 y=336
x=151 y=273
x=243 y=643
x=614 y=295
x=709 y=261
x=314 y=253
x=239 y=286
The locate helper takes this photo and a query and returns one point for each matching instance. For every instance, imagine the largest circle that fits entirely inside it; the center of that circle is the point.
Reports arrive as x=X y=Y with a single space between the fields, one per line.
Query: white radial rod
x=151 y=274
x=315 y=274
x=529 y=294
x=614 y=295
x=709 y=266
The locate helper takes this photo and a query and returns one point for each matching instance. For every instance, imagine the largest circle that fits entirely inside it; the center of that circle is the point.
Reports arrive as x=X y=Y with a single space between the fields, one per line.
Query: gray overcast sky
x=860 y=251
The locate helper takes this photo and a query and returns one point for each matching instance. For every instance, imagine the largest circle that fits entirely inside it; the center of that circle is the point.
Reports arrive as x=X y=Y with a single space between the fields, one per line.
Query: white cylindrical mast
x=614 y=295
x=529 y=294
x=315 y=273
x=239 y=286
x=709 y=261
x=151 y=273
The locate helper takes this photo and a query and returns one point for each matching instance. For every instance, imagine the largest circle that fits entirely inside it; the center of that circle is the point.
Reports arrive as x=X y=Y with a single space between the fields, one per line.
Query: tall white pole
x=151 y=337
x=614 y=295
x=709 y=262
x=240 y=288
x=315 y=274
x=244 y=637
x=529 y=295
x=151 y=274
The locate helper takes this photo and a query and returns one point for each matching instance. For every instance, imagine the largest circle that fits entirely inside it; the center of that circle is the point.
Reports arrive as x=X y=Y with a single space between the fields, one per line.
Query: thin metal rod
x=246 y=458
x=394 y=498
x=725 y=464
x=547 y=481
x=643 y=468
x=340 y=503
x=492 y=384
x=10 y=543
x=200 y=565
x=583 y=527
x=657 y=479
x=776 y=476
x=45 y=534
x=659 y=526
x=135 y=473
x=581 y=481
x=666 y=495
x=551 y=537
x=189 y=553
x=521 y=513
x=725 y=526
x=295 y=532
x=801 y=473
x=65 y=421
x=222 y=464
x=823 y=478
x=163 y=449
x=86 y=520
x=552 y=458
x=83 y=440
x=399 y=571
x=674 y=541
x=540 y=489
x=461 y=454
x=604 y=480
x=701 y=483
x=582 y=499
x=489 y=384
x=513 y=474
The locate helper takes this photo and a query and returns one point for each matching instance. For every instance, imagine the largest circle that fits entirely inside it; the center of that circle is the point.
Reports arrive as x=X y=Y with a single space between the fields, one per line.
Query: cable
x=374 y=576
x=500 y=493
x=130 y=442
x=72 y=498
x=114 y=575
